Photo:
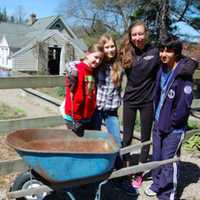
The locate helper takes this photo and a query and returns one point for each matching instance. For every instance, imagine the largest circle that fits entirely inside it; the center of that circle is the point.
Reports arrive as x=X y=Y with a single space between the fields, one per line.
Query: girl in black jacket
x=141 y=62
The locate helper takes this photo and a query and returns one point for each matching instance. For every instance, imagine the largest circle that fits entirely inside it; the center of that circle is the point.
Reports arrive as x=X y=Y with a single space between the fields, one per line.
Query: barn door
x=54 y=60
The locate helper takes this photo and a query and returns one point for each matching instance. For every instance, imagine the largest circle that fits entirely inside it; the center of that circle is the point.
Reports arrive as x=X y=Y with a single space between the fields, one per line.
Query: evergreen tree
x=12 y=19
x=3 y=15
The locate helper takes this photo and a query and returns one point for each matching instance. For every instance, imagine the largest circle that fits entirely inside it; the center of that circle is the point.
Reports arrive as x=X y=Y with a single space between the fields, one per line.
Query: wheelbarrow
x=58 y=159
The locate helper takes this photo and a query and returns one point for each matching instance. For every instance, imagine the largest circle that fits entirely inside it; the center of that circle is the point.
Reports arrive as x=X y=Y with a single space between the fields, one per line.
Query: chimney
x=32 y=19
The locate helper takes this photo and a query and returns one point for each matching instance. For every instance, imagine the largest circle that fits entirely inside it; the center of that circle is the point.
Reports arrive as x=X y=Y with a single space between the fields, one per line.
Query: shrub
x=192 y=125
x=192 y=144
x=60 y=91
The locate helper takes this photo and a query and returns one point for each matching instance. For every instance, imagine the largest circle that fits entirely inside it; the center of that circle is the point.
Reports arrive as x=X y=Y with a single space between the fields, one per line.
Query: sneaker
x=149 y=192
x=137 y=182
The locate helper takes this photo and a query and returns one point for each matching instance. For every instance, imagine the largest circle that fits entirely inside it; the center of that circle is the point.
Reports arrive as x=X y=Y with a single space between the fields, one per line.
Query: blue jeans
x=111 y=121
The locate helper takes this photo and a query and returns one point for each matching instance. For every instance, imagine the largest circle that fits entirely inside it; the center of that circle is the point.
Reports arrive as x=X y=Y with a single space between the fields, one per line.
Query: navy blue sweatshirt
x=175 y=108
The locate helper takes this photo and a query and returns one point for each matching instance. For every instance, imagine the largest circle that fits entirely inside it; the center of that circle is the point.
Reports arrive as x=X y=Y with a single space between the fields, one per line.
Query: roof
x=15 y=34
x=20 y=35
x=45 y=22
x=46 y=35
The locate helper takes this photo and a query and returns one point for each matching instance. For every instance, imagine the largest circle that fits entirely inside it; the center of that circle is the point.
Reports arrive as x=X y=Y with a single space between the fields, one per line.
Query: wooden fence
x=6 y=126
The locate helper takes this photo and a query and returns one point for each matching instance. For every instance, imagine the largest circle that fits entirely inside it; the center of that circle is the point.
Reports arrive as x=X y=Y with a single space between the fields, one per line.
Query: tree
x=20 y=14
x=161 y=16
x=12 y=19
x=113 y=14
x=3 y=15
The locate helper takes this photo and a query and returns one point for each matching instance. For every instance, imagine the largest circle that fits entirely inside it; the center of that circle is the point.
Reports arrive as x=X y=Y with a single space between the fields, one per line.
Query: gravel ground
x=189 y=188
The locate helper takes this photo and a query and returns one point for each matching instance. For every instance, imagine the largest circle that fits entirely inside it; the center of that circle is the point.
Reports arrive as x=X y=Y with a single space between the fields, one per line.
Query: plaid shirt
x=108 y=95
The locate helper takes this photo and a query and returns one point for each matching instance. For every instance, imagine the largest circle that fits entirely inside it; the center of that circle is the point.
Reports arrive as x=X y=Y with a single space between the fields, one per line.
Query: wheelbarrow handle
x=29 y=191
x=134 y=148
x=119 y=173
x=140 y=168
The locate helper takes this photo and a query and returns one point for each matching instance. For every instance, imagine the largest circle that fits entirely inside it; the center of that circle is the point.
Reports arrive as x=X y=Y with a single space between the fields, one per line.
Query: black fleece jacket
x=141 y=77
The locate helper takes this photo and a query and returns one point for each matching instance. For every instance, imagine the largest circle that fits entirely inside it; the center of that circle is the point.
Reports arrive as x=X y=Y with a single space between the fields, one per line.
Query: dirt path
x=189 y=189
x=33 y=106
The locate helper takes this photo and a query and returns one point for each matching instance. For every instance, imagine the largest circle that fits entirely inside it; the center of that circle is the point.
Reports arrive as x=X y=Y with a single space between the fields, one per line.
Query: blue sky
x=183 y=28
x=44 y=8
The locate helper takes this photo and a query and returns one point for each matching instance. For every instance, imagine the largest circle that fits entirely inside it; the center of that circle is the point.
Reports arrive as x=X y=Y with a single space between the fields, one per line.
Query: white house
x=42 y=45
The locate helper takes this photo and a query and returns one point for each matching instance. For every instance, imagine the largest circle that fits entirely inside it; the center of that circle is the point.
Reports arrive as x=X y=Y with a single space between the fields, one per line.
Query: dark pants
x=166 y=146
x=146 y=119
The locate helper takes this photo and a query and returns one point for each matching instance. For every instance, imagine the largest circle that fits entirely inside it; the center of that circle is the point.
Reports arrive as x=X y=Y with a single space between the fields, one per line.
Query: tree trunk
x=164 y=17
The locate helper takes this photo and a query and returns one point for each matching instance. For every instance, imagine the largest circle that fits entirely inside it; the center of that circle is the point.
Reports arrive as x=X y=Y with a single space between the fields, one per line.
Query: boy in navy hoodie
x=173 y=99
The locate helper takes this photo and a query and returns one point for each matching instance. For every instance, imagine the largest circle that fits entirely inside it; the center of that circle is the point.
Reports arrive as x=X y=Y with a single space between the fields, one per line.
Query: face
x=168 y=57
x=138 y=36
x=94 y=59
x=110 y=49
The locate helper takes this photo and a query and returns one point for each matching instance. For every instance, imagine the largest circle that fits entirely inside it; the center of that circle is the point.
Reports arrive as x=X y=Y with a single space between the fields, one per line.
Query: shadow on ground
x=189 y=173
x=88 y=192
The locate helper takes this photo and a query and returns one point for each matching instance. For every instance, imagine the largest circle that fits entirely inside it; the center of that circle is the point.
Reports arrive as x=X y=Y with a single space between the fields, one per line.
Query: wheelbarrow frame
x=115 y=174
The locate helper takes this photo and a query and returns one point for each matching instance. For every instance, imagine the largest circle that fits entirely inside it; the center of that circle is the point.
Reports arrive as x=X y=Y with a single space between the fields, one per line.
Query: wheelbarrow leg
x=71 y=196
x=98 y=193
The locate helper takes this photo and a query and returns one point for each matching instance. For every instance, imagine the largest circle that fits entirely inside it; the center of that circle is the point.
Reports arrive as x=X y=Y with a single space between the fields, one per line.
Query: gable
x=53 y=22
x=58 y=25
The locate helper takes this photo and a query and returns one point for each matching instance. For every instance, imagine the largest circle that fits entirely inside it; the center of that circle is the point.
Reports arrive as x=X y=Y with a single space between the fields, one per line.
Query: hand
x=78 y=128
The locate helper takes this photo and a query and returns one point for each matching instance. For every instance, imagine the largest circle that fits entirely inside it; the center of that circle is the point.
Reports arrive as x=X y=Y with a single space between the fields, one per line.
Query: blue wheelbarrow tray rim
x=62 y=166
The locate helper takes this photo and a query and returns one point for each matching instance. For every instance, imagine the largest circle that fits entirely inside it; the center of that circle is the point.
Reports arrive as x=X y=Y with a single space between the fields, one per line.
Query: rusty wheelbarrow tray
x=60 y=156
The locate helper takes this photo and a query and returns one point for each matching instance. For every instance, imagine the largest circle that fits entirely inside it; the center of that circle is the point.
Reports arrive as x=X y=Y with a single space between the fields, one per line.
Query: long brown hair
x=116 y=70
x=127 y=49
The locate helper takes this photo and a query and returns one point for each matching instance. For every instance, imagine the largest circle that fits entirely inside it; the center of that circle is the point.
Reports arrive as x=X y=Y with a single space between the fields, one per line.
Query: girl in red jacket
x=80 y=99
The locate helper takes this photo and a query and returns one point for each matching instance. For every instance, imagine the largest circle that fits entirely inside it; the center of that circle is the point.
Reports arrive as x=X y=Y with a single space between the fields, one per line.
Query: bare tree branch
x=188 y=3
x=187 y=21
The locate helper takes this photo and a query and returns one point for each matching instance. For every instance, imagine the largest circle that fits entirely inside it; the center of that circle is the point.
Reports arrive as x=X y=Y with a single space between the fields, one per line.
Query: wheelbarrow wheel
x=26 y=180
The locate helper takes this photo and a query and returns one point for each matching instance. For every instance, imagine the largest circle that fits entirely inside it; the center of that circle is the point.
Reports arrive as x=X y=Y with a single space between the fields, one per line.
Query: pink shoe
x=137 y=182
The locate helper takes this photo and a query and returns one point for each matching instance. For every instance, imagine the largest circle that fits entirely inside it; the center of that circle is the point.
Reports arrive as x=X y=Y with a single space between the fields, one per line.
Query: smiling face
x=110 y=49
x=168 y=57
x=94 y=59
x=138 y=36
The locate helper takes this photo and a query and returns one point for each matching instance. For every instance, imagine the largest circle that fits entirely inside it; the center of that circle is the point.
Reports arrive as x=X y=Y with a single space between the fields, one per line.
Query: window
x=58 y=26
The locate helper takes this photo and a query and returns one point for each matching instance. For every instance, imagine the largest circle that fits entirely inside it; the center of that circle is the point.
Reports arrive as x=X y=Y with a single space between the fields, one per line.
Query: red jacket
x=84 y=95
